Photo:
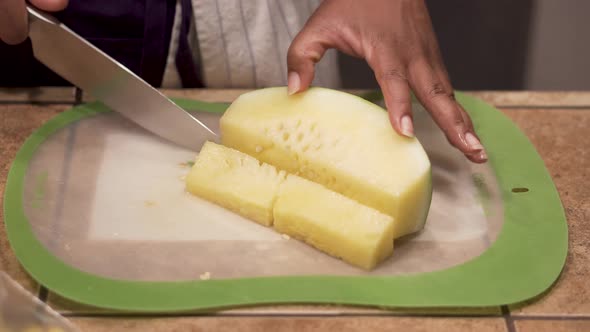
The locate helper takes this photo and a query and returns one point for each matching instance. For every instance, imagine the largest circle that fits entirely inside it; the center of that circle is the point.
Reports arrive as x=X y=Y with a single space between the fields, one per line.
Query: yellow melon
x=338 y=140
x=333 y=223
x=235 y=181
x=307 y=211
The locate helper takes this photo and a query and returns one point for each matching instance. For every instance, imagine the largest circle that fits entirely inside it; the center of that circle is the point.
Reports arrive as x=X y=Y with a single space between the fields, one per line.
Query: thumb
x=13 y=21
x=13 y=17
x=50 y=5
x=307 y=48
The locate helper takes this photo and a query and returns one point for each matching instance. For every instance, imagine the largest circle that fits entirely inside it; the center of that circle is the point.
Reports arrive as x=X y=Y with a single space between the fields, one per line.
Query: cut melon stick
x=326 y=220
x=333 y=223
x=235 y=181
x=338 y=140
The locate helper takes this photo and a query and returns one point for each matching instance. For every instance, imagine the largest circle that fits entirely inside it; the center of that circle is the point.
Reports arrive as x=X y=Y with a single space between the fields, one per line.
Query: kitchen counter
x=557 y=123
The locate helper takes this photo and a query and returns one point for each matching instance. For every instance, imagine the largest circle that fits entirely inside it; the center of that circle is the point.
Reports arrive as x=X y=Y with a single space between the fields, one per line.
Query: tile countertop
x=557 y=123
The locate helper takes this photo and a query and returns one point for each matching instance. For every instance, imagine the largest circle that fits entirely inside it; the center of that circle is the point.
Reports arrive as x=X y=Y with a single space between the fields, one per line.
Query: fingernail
x=473 y=142
x=294 y=83
x=406 y=126
x=483 y=155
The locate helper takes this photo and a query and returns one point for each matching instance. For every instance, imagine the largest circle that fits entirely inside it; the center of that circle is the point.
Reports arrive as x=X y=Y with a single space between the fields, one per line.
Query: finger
x=50 y=5
x=396 y=93
x=13 y=17
x=13 y=21
x=437 y=96
x=471 y=136
x=307 y=48
x=443 y=77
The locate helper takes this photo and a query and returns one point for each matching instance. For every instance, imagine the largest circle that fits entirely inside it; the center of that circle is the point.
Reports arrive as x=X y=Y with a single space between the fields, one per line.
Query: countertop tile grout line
x=43 y=291
x=229 y=315
x=499 y=106
x=5 y=100
x=544 y=107
x=549 y=317
x=78 y=96
x=510 y=326
x=43 y=294
x=512 y=318
x=37 y=103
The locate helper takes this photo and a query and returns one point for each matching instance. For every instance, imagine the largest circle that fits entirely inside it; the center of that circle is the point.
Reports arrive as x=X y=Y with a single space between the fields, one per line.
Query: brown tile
x=208 y=95
x=17 y=122
x=217 y=95
x=37 y=95
x=561 y=139
x=541 y=325
x=300 y=324
x=353 y=310
x=535 y=98
x=498 y=98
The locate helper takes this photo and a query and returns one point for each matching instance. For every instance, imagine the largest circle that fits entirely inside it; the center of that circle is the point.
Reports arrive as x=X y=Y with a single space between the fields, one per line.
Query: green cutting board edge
x=526 y=259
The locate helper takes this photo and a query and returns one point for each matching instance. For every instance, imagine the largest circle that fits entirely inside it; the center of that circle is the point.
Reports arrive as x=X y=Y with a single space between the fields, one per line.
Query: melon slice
x=307 y=211
x=338 y=140
x=235 y=181
x=333 y=223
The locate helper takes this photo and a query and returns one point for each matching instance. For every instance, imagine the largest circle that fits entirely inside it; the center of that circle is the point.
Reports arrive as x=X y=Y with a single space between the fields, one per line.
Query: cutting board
x=95 y=207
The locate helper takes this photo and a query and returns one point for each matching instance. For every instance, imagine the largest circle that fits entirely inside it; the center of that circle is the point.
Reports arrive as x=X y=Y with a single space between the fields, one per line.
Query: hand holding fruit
x=396 y=39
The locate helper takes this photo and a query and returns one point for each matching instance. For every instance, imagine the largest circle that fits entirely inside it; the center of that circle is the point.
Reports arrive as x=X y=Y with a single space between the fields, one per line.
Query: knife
x=90 y=69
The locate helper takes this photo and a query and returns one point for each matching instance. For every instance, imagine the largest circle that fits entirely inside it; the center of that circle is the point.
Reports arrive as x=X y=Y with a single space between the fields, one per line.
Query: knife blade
x=90 y=69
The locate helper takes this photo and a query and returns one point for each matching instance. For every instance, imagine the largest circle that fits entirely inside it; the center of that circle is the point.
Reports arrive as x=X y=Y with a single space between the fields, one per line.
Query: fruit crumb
x=258 y=149
x=186 y=164
x=205 y=276
x=150 y=203
x=286 y=236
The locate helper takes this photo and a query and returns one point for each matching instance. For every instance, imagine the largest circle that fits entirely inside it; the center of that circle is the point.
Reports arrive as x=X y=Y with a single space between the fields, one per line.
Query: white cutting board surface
x=116 y=206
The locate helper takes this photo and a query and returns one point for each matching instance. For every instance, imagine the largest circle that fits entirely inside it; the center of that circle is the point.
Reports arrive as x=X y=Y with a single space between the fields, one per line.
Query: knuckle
x=393 y=74
x=298 y=54
x=311 y=54
x=303 y=51
x=436 y=90
x=457 y=121
x=291 y=52
x=295 y=47
x=466 y=118
x=450 y=119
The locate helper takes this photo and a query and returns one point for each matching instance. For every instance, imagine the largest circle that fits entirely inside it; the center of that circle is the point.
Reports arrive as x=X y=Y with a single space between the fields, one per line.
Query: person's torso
x=182 y=43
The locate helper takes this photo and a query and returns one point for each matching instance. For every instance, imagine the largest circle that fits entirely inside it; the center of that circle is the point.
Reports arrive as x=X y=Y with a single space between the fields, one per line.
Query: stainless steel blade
x=93 y=71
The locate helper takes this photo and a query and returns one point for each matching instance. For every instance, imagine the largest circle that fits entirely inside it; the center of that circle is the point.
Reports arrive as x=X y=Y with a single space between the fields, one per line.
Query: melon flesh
x=333 y=223
x=235 y=181
x=307 y=211
x=338 y=140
